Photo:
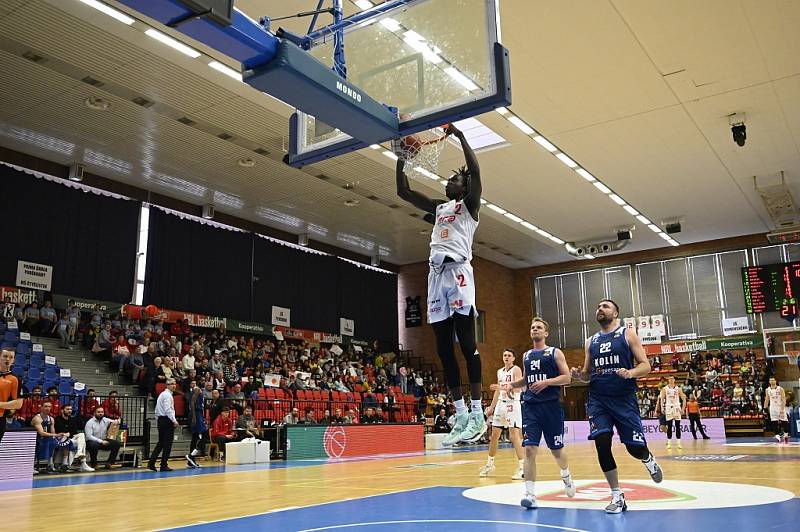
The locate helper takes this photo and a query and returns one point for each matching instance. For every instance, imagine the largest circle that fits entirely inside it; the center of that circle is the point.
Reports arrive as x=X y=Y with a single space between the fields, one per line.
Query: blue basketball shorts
x=546 y=418
x=622 y=412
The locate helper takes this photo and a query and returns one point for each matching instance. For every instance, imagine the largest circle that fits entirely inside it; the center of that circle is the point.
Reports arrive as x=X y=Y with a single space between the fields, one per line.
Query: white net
x=421 y=152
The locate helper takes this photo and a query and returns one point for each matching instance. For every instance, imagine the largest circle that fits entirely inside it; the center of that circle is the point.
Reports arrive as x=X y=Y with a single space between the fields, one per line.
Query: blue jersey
x=609 y=352
x=540 y=365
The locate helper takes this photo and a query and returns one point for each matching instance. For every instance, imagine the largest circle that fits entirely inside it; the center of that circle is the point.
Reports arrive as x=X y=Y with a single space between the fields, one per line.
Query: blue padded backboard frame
x=501 y=98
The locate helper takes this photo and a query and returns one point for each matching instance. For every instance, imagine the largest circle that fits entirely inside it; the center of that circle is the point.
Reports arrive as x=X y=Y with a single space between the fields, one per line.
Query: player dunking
x=505 y=413
x=545 y=372
x=775 y=404
x=451 y=283
x=672 y=401
x=614 y=360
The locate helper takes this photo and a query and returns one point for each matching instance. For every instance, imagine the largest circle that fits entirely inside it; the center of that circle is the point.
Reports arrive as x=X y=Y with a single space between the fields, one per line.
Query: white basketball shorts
x=672 y=412
x=507 y=414
x=451 y=290
x=775 y=415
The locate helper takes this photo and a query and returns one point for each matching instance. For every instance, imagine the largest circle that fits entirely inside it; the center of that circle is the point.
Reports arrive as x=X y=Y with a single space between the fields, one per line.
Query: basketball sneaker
x=487 y=470
x=85 y=468
x=529 y=502
x=654 y=469
x=190 y=463
x=519 y=474
x=679 y=445
x=569 y=486
x=786 y=439
x=617 y=505
x=778 y=437
x=458 y=429
x=669 y=445
x=476 y=427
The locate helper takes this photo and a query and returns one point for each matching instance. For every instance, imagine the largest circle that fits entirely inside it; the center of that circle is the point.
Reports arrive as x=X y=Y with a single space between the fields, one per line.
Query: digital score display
x=772 y=288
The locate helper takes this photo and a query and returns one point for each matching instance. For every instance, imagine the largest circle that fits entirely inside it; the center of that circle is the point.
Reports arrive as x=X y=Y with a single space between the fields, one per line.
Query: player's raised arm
x=418 y=200
x=473 y=197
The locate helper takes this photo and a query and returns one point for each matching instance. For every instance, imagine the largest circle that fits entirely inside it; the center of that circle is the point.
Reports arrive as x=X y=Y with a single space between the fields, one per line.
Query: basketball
x=151 y=310
x=335 y=441
x=410 y=146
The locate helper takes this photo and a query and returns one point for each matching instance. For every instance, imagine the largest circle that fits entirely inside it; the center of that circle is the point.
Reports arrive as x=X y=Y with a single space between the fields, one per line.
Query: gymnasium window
x=694 y=294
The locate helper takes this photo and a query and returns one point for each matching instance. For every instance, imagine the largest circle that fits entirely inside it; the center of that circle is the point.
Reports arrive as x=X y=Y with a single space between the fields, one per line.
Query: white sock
x=530 y=487
x=476 y=406
x=521 y=463
x=461 y=406
x=195 y=452
x=490 y=460
x=565 y=473
x=615 y=493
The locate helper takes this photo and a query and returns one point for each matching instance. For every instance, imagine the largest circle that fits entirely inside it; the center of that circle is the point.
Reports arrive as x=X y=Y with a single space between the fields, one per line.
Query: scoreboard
x=772 y=287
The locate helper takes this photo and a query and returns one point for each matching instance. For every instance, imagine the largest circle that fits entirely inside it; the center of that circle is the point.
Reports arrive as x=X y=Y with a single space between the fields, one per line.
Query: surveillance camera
x=739 y=133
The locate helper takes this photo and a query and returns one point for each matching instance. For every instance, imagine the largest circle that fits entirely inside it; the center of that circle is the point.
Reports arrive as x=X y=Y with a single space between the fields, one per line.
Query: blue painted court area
x=446 y=509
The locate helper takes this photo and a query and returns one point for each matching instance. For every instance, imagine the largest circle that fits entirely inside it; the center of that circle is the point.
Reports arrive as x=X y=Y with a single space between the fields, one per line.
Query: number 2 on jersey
x=462 y=281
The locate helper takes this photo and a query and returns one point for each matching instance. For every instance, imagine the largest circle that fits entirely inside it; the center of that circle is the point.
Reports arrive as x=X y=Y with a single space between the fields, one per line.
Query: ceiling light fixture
x=522 y=126
x=544 y=143
x=566 y=160
x=586 y=175
x=110 y=11
x=496 y=209
x=643 y=219
x=225 y=69
x=601 y=187
x=630 y=210
x=513 y=217
x=172 y=43
x=616 y=199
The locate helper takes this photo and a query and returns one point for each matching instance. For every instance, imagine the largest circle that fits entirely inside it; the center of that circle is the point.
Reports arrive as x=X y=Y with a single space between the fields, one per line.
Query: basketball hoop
x=421 y=152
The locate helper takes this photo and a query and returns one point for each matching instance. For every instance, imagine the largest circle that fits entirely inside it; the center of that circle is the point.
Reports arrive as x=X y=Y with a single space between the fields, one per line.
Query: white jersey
x=672 y=397
x=453 y=232
x=506 y=377
x=775 y=399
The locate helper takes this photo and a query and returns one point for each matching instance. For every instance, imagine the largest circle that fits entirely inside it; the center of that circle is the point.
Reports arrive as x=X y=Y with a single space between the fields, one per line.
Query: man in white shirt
x=96 y=434
x=165 y=416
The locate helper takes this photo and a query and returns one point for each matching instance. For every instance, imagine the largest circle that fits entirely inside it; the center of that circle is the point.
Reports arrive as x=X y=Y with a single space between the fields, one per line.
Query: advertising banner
x=578 y=431
x=60 y=301
x=17 y=295
x=171 y=316
x=688 y=346
x=350 y=441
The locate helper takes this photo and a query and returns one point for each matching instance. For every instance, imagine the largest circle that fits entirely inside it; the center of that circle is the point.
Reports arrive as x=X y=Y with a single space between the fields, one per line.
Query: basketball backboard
x=435 y=61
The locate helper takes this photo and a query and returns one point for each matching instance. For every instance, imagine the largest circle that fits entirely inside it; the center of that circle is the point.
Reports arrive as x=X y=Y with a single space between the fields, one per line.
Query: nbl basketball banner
x=350 y=441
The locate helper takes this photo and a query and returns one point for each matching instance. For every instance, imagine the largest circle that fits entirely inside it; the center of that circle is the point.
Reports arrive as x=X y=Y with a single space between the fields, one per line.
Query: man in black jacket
x=73 y=445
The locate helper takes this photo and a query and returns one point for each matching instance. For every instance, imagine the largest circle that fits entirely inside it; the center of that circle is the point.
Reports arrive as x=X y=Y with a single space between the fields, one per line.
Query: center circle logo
x=334 y=441
x=642 y=495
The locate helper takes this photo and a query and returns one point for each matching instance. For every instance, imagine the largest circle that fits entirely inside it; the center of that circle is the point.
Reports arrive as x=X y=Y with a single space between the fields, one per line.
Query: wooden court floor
x=143 y=500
